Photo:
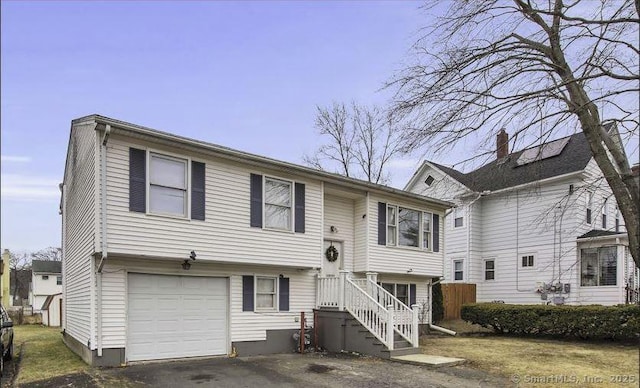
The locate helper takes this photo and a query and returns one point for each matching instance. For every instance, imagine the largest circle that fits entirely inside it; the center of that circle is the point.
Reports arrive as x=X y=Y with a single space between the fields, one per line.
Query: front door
x=332 y=268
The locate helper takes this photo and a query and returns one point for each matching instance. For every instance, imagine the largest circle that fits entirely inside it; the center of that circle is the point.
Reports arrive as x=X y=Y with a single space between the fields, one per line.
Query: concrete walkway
x=425 y=359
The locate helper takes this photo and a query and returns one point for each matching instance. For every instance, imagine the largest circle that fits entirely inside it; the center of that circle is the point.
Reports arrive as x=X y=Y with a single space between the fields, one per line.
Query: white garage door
x=176 y=316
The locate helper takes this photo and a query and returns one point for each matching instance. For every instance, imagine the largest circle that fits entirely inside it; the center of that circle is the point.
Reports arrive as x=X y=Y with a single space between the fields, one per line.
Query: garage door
x=176 y=316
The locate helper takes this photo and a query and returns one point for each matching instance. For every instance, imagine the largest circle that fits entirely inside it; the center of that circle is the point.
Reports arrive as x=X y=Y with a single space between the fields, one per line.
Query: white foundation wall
x=243 y=326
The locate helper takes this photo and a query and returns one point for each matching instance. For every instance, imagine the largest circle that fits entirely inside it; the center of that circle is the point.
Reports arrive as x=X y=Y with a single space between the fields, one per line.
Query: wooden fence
x=454 y=295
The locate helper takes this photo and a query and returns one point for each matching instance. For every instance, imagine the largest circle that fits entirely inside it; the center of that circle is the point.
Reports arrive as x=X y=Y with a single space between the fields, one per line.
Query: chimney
x=502 y=144
x=635 y=170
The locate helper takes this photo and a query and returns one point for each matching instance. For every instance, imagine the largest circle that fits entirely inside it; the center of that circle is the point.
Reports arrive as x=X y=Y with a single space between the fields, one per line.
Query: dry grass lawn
x=543 y=362
x=43 y=355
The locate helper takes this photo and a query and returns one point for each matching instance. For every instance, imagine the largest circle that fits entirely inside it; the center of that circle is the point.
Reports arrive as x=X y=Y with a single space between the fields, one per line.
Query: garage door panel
x=176 y=316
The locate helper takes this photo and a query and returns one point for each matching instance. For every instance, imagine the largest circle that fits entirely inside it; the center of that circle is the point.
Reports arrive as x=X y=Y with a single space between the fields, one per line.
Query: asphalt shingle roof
x=46 y=266
x=505 y=172
x=599 y=233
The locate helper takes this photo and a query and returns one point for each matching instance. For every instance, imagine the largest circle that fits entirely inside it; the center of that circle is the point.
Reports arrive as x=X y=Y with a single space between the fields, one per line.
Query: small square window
x=527 y=261
x=45 y=277
x=429 y=180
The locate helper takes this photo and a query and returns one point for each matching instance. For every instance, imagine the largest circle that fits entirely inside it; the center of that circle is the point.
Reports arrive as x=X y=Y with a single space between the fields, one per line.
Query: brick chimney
x=502 y=144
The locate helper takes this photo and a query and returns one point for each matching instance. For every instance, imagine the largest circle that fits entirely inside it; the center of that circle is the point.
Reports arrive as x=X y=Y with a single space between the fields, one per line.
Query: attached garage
x=176 y=316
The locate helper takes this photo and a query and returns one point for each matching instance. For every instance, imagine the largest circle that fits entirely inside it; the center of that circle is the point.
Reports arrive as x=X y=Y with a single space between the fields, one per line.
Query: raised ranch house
x=174 y=247
x=535 y=226
x=46 y=280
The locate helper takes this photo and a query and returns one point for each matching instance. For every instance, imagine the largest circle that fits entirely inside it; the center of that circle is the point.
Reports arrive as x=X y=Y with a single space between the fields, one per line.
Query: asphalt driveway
x=292 y=370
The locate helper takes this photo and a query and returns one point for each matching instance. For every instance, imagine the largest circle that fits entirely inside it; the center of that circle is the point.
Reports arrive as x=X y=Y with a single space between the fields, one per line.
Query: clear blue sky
x=239 y=74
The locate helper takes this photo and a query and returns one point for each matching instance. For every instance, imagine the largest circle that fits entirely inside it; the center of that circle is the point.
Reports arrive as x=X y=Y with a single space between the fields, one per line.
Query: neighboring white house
x=174 y=247
x=534 y=226
x=46 y=279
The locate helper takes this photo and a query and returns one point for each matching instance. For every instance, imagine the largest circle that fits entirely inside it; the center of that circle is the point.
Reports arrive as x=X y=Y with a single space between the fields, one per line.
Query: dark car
x=6 y=345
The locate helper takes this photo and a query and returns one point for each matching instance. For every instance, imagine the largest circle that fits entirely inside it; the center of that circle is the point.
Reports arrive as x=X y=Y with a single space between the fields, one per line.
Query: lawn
x=543 y=362
x=43 y=354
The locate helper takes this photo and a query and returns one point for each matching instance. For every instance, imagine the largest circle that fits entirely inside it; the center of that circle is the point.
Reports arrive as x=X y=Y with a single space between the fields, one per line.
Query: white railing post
x=415 y=335
x=341 y=286
x=390 y=327
x=372 y=278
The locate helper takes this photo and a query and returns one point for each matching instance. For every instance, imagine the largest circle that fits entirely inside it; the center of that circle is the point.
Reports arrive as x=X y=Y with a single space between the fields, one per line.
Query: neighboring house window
x=489 y=270
x=167 y=185
x=406 y=293
x=458 y=272
x=458 y=217
x=277 y=204
x=589 y=205
x=528 y=261
x=392 y=225
x=604 y=214
x=408 y=227
x=426 y=230
x=58 y=280
x=429 y=180
x=266 y=293
x=45 y=277
x=617 y=219
x=598 y=266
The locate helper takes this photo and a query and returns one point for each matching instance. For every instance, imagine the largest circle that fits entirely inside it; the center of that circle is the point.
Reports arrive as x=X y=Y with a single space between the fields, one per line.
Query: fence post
x=415 y=335
x=341 y=286
x=390 y=318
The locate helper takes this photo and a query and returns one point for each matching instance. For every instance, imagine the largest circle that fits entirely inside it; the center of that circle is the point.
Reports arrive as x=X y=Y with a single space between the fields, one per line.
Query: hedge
x=620 y=322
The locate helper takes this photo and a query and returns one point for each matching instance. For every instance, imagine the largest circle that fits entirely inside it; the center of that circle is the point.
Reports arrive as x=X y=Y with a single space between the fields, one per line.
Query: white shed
x=52 y=310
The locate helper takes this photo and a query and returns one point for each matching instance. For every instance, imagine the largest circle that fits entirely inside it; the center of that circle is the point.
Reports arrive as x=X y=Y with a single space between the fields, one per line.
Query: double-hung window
x=392 y=225
x=167 y=185
x=589 y=206
x=489 y=270
x=277 y=204
x=266 y=293
x=458 y=217
x=604 y=214
x=58 y=280
x=617 y=215
x=426 y=230
x=458 y=270
x=408 y=227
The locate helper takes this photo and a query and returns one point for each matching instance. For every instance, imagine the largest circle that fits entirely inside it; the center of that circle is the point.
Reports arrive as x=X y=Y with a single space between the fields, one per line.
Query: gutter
x=103 y=206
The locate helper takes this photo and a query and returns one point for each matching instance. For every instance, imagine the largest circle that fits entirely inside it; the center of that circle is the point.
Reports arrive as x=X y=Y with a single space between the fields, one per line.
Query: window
x=402 y=293
x=45 y=277
x=527 y=261
x=604 y=214
x=58 y=280
x=429 y=180
x=489 y=270
x=458 y=217
x=392 y=225
x=589 y=204
x=408 y=227
x=617 y=215
x=277 y=204
x=426 y=230
x=167 y=185
x=266 y=293
x=458 y=272
x=406 y=293
x=598 y=266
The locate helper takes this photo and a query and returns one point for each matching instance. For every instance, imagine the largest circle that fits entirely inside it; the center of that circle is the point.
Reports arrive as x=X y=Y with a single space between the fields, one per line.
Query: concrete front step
x=402 y=352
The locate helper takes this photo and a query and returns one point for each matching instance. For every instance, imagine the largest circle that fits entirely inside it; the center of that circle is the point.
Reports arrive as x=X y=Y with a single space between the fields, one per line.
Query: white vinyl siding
x=360 y=227
x=339 y=212
x=79 y=223
x=226 y=234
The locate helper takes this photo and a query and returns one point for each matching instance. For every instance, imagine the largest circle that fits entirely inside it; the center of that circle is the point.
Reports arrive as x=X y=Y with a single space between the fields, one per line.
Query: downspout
x=430 y=315
x=103 y=206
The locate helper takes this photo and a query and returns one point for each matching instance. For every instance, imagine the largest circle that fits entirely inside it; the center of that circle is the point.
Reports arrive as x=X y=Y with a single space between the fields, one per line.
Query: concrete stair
x=367 y=343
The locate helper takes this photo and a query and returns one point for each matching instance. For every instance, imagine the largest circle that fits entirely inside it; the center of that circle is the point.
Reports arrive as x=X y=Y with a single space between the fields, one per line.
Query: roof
x=46 y=266
x=505 y=172
x=232 y=154
x=600 y=233
x=48 y=300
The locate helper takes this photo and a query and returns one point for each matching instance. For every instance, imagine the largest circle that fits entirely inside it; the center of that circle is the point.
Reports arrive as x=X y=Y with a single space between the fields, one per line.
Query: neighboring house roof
x=600 y=233
x=45 y=266
x=246 y=157
x=505 y=172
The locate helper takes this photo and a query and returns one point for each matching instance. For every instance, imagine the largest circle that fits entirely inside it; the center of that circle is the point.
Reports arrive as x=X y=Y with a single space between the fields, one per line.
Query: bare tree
x=48 y=254
x=361 y=141
x=18 y=262
x=537 y=67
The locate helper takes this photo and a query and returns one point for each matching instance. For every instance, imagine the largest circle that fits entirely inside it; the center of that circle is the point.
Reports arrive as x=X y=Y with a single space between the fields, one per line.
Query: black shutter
x=137 y=180
x=247 y=293
x=412 y=294
x=197 y=191
x=299 y=198
x=382 y=223
x=256 y=200
x=436 y=233
x=284 y=294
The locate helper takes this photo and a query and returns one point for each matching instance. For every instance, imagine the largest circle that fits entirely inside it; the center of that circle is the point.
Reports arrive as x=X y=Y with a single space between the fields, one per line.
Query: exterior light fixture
x=186 y=264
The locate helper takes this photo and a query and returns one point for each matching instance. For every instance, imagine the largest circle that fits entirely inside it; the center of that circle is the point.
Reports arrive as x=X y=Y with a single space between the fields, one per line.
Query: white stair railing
x=405 y=320
x=328 y=289
x=371 y=314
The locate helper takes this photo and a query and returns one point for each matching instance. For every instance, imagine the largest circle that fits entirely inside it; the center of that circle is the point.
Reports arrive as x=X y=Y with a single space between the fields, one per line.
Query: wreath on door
x=331 y=253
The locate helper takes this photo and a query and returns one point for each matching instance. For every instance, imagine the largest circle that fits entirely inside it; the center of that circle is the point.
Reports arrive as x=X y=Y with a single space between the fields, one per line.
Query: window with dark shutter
x=382 y=223
x=247 y=293
x=137 y=180
x=300 y=210
x=197 y=191
x=283 y=301
x=436 y=233
x=256 y=200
